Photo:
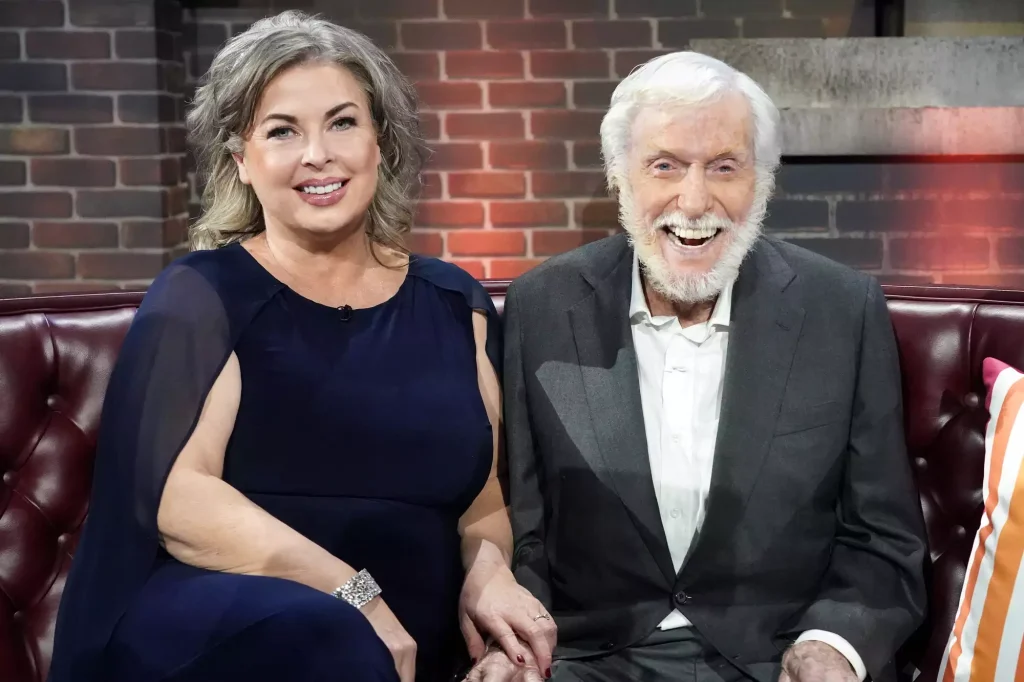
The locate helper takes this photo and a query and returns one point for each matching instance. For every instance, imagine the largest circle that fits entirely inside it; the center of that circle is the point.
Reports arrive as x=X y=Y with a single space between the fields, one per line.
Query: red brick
x=148 y=108
x=120 y=265
x=627 y=60
x=486 y=126
x=149 y=44
x=568 y=64
x=430 y=186
x=593 y=94
x=74 y=235
x=527 y=34
x=8 y=290
x=492 y=64
x=14 y=236
x=67 y=45
x=24 y=76
x=487 y=185
x=487 y=243
x=123 y=203
x=12 y=173
x=425 y=243
x=33 y=141
x=474 y=267
x=153 y=234
x=430 y=126
x=597 y=214
x=566 y=125
x=618 y=33
x=165 y=171
x=73 y=172
x=456 y=156
x=37 y=265
x=119 y=141
x=943 y=253
x=35 y=205
x=173 y=140
x=526 y=94
x=441 y=35
x=577 y=184
x=398 y=9
x=510 y=268
x=679 y=32
x=670 y=8
x=10 y=46
x=418 y=65
x=114 y=13
x=586 y=154
x=11 y=109
x=449 y=214
x=31 y=13
x=116 y=76
x=71 y=108
x=383 y=33
x=528 y=155
x=484 y=9
x=529 y=214
x=570 y=8
x=553 y=242
x=448 y=95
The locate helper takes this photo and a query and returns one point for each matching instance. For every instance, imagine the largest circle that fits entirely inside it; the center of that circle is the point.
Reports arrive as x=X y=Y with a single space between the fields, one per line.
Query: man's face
x=691 y=186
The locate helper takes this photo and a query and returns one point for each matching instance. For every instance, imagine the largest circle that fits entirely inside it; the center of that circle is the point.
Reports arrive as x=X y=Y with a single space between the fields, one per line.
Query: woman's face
x=312 y=154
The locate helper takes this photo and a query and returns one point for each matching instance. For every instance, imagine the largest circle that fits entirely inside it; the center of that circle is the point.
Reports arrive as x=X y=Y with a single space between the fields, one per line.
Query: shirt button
x=675 y=513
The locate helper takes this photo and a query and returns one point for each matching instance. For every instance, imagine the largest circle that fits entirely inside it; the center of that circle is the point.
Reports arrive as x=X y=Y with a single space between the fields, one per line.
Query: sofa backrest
x=57 y=352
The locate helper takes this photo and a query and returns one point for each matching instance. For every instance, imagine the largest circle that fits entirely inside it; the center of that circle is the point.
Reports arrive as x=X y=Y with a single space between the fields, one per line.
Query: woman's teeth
x=322 y=189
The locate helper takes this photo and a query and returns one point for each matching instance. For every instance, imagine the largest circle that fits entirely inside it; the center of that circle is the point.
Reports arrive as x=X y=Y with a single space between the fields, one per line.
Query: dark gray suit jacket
x=813 y=520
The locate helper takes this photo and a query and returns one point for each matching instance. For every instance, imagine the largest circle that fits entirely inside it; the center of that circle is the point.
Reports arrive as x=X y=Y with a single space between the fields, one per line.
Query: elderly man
x=707 y=469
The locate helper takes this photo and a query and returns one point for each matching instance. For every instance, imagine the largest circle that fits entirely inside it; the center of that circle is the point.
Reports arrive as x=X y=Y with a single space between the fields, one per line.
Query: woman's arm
x=492 y=600
x=205 y=522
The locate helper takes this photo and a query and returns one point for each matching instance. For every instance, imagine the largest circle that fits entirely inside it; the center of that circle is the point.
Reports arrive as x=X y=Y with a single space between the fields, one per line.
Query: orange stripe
x=1006 y=563
x=1019 y=675
x=1011 y=405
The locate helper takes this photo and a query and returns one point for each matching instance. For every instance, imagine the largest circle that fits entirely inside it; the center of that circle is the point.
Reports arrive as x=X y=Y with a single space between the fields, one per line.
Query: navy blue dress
x=364 y=432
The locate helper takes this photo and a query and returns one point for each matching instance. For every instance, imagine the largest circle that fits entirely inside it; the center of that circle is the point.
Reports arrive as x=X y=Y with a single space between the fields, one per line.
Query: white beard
x=691 y=288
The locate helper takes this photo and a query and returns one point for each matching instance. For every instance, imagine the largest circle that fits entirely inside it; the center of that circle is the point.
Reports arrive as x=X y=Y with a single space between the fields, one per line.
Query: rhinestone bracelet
x=358 y=590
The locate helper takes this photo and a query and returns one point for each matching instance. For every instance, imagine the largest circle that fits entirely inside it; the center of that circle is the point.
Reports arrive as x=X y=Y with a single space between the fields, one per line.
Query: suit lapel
x=763 y=335
x=607 y=360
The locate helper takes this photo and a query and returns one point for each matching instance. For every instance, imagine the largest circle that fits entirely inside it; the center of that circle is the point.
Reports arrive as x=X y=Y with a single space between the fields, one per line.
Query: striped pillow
x=986 y=641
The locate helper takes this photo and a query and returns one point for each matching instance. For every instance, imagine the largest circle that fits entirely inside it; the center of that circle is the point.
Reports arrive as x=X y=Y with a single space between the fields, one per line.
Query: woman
x=296 y=471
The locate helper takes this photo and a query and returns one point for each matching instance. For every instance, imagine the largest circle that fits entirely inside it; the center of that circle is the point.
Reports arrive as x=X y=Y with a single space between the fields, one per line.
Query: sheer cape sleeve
x=453 y=278
x=181 y=337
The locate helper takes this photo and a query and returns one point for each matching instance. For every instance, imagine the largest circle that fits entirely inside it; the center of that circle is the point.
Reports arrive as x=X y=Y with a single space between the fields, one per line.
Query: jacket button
x=607 y=646
x=681 y=598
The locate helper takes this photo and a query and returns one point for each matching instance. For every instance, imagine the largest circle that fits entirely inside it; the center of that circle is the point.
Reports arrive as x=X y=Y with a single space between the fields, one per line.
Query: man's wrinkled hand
x=813 y=661
x=495 y=666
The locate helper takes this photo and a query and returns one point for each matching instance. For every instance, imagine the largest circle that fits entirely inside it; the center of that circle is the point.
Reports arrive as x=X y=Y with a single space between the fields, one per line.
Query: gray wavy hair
x=224 y=106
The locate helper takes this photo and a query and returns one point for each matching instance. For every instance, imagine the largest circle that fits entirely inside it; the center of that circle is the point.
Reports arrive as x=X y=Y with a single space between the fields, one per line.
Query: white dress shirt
x=681 y=372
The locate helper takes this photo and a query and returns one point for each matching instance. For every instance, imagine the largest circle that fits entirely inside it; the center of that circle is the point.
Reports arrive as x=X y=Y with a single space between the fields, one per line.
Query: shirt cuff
x=840 y=645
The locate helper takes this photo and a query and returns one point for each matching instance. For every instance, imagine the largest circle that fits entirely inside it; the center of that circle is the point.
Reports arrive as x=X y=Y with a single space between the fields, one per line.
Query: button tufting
x=972 y=400
x=921 y=463
x=11 y=478
x=959 y=531
x=52 y=401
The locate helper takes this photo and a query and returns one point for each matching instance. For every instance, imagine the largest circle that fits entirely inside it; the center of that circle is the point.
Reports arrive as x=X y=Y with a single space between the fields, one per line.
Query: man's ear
x=243 y=174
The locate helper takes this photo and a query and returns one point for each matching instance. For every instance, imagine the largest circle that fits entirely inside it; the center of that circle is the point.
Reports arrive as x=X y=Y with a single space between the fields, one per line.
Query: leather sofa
x=56 y=354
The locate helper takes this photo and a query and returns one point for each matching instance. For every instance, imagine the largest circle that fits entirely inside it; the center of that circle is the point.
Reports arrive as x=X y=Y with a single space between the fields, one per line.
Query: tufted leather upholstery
x=56 y=354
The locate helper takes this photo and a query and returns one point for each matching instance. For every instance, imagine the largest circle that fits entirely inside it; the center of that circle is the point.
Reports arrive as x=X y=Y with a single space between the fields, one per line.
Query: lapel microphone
x=346 y=312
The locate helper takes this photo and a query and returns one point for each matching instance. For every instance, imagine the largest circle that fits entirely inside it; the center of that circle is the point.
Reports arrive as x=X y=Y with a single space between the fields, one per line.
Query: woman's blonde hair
x=225 y=104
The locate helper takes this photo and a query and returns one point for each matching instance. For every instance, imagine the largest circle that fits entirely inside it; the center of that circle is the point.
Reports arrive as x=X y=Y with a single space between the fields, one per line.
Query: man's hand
x=813 y=661
x=495 y=666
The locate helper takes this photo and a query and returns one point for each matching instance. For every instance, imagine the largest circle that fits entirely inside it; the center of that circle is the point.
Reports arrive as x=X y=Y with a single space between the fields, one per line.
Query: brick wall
x=512 y=94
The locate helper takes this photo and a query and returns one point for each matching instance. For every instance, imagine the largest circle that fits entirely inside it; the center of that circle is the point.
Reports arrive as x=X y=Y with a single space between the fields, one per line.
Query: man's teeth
x=692 y=233
x=322 y=189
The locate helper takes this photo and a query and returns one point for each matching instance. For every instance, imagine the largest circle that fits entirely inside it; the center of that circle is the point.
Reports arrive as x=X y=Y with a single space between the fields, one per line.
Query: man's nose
x=694 y=199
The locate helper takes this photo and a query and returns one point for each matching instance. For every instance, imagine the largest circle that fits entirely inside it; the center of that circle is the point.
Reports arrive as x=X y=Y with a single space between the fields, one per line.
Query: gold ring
x=543 y=615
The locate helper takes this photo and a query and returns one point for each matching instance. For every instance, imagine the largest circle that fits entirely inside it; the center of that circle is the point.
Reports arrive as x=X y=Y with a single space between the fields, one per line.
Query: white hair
x=686 y=79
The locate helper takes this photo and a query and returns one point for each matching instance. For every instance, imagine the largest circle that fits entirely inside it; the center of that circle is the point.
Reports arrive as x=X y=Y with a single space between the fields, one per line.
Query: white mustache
x=706 y=221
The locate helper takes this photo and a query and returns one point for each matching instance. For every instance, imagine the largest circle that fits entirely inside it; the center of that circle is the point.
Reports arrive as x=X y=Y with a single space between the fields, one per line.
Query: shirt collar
x=721 y=315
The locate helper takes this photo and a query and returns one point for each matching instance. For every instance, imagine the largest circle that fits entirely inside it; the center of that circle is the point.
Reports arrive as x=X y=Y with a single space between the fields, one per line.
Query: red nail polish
x=520 y=658
x=547 y=674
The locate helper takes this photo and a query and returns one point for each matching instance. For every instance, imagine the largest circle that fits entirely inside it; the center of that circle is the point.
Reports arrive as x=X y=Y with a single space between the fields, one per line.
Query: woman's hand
x=495 y=667
x=394 y=636
x=494 y=603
